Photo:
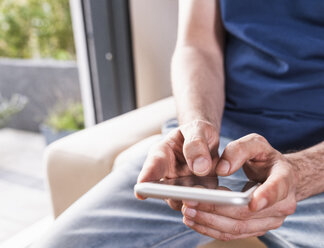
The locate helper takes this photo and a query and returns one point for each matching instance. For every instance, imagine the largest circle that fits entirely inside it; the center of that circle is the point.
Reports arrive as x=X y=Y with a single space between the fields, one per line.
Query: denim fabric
x=110 y=216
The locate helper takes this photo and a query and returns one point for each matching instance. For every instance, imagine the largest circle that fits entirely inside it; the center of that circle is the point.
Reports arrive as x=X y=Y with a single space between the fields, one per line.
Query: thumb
x=273 y=190
x=197 y=154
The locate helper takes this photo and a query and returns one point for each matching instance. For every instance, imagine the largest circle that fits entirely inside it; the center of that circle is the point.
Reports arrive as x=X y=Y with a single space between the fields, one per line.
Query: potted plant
x=10 y=107
x=62 y=121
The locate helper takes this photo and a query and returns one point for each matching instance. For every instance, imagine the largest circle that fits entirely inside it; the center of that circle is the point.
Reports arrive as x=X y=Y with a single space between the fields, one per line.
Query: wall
x=154 y=29
x=44 y=82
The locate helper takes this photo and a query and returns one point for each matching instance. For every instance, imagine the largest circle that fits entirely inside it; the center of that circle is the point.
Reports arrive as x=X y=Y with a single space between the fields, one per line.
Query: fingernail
x=188 y=222
x=200 y=165
x=190 y=212
x=261 y=204
x=223 y=167
x=190 y=203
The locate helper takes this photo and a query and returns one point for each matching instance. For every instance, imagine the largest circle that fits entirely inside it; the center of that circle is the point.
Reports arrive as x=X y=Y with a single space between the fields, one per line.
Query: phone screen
x=219 y=183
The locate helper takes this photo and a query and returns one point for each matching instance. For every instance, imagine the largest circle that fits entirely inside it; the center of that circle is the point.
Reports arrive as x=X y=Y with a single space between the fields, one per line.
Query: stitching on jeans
x=171 y=238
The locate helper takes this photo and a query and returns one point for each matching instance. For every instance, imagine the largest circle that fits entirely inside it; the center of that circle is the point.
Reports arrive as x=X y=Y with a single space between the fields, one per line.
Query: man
x=268 y=56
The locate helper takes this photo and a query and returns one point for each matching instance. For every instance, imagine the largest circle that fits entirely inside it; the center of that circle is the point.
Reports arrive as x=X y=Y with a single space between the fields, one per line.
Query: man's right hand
x=191 y=149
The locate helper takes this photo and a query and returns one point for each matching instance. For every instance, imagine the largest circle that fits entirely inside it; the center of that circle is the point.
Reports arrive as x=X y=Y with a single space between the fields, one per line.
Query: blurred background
x=65 y=66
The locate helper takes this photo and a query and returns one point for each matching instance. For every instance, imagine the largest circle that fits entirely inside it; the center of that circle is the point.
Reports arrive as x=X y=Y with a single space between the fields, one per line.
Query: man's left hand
x=271 y=202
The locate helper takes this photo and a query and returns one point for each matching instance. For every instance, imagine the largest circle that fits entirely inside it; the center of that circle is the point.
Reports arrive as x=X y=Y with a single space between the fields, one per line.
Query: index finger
x=164 y=160
x=160 y=158
x=156 y=165
x=236 y=153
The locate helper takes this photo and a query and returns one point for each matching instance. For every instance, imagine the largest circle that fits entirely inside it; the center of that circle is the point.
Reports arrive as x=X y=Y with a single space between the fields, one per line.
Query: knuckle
x=201 y=219
x=257 y=137
x=235 y=146
x=193 y=126
x=290 y=209
x=243 y=214
x=174 y=134
x=225 y=236
x=195 y=141
x=239 y=228
x=160 y=151
x=239 y=148
x=230 y=145
x=194 y=146
x=202 y=229
x=213 y=208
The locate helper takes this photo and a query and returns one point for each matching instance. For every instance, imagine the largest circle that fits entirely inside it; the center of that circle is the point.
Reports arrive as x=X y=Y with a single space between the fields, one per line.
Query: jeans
x=110 y=216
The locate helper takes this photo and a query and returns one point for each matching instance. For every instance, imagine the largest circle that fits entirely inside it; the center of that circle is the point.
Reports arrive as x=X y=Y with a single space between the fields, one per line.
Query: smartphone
x=219 y=190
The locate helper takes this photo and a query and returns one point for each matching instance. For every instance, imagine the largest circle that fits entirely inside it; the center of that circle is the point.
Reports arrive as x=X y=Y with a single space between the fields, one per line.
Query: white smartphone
x=220 y=190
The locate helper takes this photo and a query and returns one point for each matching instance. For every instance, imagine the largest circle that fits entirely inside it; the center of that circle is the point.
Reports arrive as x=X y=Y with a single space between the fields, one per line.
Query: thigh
x=305 y=228
x=109 y=215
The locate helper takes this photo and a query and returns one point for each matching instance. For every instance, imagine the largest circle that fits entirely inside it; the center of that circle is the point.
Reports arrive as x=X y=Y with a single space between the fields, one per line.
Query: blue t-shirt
x=274 y=65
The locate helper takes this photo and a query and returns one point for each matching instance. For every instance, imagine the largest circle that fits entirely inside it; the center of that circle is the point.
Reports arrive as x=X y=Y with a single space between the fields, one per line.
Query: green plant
x=10 y=107
x=36 y=29
x=69 y=117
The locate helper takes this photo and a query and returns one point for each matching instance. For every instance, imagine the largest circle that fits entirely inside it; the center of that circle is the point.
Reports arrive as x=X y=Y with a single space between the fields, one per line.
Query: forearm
x=309 y=167
x=198 y=84
x=197 y=65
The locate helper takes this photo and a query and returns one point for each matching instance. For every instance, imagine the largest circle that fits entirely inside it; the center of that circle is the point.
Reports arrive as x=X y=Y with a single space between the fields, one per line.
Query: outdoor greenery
x=10 y=107
x=65 y=118
x=36 y=29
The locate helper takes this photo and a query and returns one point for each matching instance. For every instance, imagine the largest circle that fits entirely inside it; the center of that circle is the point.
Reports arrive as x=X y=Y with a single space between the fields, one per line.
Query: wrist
x=302 y=179
x=189 y=118
x=295 y=174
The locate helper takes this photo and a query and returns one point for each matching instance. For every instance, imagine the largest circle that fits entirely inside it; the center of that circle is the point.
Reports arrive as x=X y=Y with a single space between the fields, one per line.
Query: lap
x=304 y=228
x=109 y=215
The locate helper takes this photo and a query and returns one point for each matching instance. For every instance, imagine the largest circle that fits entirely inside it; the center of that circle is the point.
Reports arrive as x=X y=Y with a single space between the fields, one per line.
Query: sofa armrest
x=77 y=162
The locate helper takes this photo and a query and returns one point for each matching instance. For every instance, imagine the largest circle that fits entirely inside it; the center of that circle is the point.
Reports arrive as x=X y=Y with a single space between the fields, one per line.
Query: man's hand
x=189 y=149
x=270 y=204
